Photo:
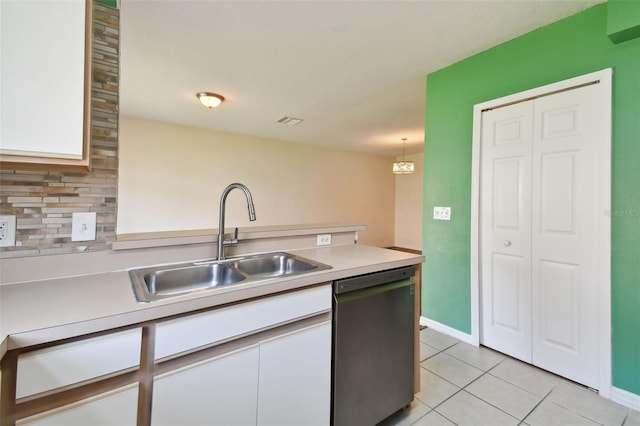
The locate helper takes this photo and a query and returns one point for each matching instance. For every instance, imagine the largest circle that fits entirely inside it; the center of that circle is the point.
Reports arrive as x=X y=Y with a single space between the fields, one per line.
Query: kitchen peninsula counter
x=43 y=311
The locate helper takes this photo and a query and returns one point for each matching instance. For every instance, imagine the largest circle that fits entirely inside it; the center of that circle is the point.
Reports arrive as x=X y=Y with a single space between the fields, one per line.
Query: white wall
x=408 y=215
x=171 y=178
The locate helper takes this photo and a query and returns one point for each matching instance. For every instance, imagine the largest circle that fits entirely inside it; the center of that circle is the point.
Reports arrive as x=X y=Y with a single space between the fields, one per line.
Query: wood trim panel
x=9 y=367
x=146 y=373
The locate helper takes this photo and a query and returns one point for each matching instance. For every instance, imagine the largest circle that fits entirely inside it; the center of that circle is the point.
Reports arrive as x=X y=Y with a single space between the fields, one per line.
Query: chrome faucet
x=252 y=216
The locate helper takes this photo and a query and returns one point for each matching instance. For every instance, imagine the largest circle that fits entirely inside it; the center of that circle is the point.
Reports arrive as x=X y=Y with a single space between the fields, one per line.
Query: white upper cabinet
x=45 y=74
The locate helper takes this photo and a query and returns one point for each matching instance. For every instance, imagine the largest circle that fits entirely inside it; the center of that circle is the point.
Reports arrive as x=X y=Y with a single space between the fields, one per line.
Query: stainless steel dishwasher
x=373 y=332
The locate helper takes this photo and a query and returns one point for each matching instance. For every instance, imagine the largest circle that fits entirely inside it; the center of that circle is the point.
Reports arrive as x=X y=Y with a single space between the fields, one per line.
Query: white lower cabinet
x=118 y=407
x=285 y=380
x=276 y=371
x=295 y=378
x=219 y=391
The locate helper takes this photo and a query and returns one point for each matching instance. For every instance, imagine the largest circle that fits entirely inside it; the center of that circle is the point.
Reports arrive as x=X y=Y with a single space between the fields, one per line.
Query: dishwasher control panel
x=371 y=280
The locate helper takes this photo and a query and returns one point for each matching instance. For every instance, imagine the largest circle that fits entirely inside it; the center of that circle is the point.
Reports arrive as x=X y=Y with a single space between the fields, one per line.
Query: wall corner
x=623 y=20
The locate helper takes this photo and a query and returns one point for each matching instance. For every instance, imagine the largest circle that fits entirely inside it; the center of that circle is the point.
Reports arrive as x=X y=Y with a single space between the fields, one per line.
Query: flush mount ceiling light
x=210 y=100
x=403 y=167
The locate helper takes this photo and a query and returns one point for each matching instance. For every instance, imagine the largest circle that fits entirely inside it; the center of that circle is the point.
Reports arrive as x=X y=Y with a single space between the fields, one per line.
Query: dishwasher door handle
x=360 y=282
x=372 y=291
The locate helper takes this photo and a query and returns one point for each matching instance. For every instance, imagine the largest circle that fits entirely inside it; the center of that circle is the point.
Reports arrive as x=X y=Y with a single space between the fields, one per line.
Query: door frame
x=604 y=77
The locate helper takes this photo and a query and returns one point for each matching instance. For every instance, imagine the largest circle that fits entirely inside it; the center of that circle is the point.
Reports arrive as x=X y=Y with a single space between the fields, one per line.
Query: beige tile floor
x=465 y=385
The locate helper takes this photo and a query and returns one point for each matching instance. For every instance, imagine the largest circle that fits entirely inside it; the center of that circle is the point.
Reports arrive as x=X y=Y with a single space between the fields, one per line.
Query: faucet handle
x=234 y=242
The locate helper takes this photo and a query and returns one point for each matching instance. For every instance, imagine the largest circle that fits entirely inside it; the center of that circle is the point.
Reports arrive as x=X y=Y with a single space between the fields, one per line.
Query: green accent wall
x=623 y=20
x=568 y=48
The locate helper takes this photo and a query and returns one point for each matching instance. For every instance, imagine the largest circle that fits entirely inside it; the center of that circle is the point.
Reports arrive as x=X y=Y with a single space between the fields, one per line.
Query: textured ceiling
x=355 y=71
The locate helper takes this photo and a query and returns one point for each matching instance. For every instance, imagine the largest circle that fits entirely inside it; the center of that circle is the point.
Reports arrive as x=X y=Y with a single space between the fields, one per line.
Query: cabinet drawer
x=62 y=365
x=184 y=334
x=118 y=407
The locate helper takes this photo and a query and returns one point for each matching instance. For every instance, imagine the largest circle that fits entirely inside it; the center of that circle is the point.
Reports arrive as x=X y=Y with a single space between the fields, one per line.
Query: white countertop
x=37 y=312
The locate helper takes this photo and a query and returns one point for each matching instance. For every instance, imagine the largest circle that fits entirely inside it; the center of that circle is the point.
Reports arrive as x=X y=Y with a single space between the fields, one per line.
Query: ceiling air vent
x=291 y=121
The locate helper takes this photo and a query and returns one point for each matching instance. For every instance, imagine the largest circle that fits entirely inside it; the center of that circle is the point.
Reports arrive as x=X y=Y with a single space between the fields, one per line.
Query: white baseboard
x=445 y=329
x=625 y=398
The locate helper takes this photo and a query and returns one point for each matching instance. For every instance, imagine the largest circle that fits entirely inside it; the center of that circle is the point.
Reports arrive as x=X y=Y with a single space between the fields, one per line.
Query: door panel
x=505 y=229
x=564 y=236
x=510 y=131
x=538 y=231
x=561 y=122
x=557 y=193
x=559 y=317
x=508 y=274
x=507 y=177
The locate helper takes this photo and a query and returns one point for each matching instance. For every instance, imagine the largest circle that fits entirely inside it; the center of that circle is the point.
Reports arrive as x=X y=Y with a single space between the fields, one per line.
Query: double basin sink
x=165 y=281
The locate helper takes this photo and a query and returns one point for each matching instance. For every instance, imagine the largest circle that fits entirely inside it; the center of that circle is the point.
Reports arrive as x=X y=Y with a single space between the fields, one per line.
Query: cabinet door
x=218 y=391
x=44 y=58
x=118 y=407
x=295 y=378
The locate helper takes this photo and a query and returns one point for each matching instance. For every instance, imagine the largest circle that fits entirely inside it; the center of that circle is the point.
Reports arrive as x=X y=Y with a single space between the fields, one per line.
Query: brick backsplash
x=44 y=201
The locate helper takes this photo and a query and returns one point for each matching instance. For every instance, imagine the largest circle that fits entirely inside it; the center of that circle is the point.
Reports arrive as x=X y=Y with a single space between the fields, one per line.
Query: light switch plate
x=442 y=213
x=83 y=226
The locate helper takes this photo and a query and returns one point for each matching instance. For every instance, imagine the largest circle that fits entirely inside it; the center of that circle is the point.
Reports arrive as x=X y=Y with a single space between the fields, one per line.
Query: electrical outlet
x=442 y=213
x=7 y=230
x=83 y=226
x=324 y=239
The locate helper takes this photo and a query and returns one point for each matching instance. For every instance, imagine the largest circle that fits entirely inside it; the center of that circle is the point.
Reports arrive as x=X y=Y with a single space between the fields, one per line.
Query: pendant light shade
x=403 y=167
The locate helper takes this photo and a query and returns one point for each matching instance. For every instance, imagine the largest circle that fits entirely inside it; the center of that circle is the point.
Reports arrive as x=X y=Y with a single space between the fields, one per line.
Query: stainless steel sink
x=180 y=280
x=274 y=265
x=165 y=281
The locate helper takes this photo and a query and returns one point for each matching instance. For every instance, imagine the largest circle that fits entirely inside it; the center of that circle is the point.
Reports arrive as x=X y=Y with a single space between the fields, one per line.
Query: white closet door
x=564 y=238
x=539 y=231
x=506 y=229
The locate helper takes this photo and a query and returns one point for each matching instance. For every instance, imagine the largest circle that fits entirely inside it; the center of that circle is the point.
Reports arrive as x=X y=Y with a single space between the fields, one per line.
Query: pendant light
x=403 y=167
